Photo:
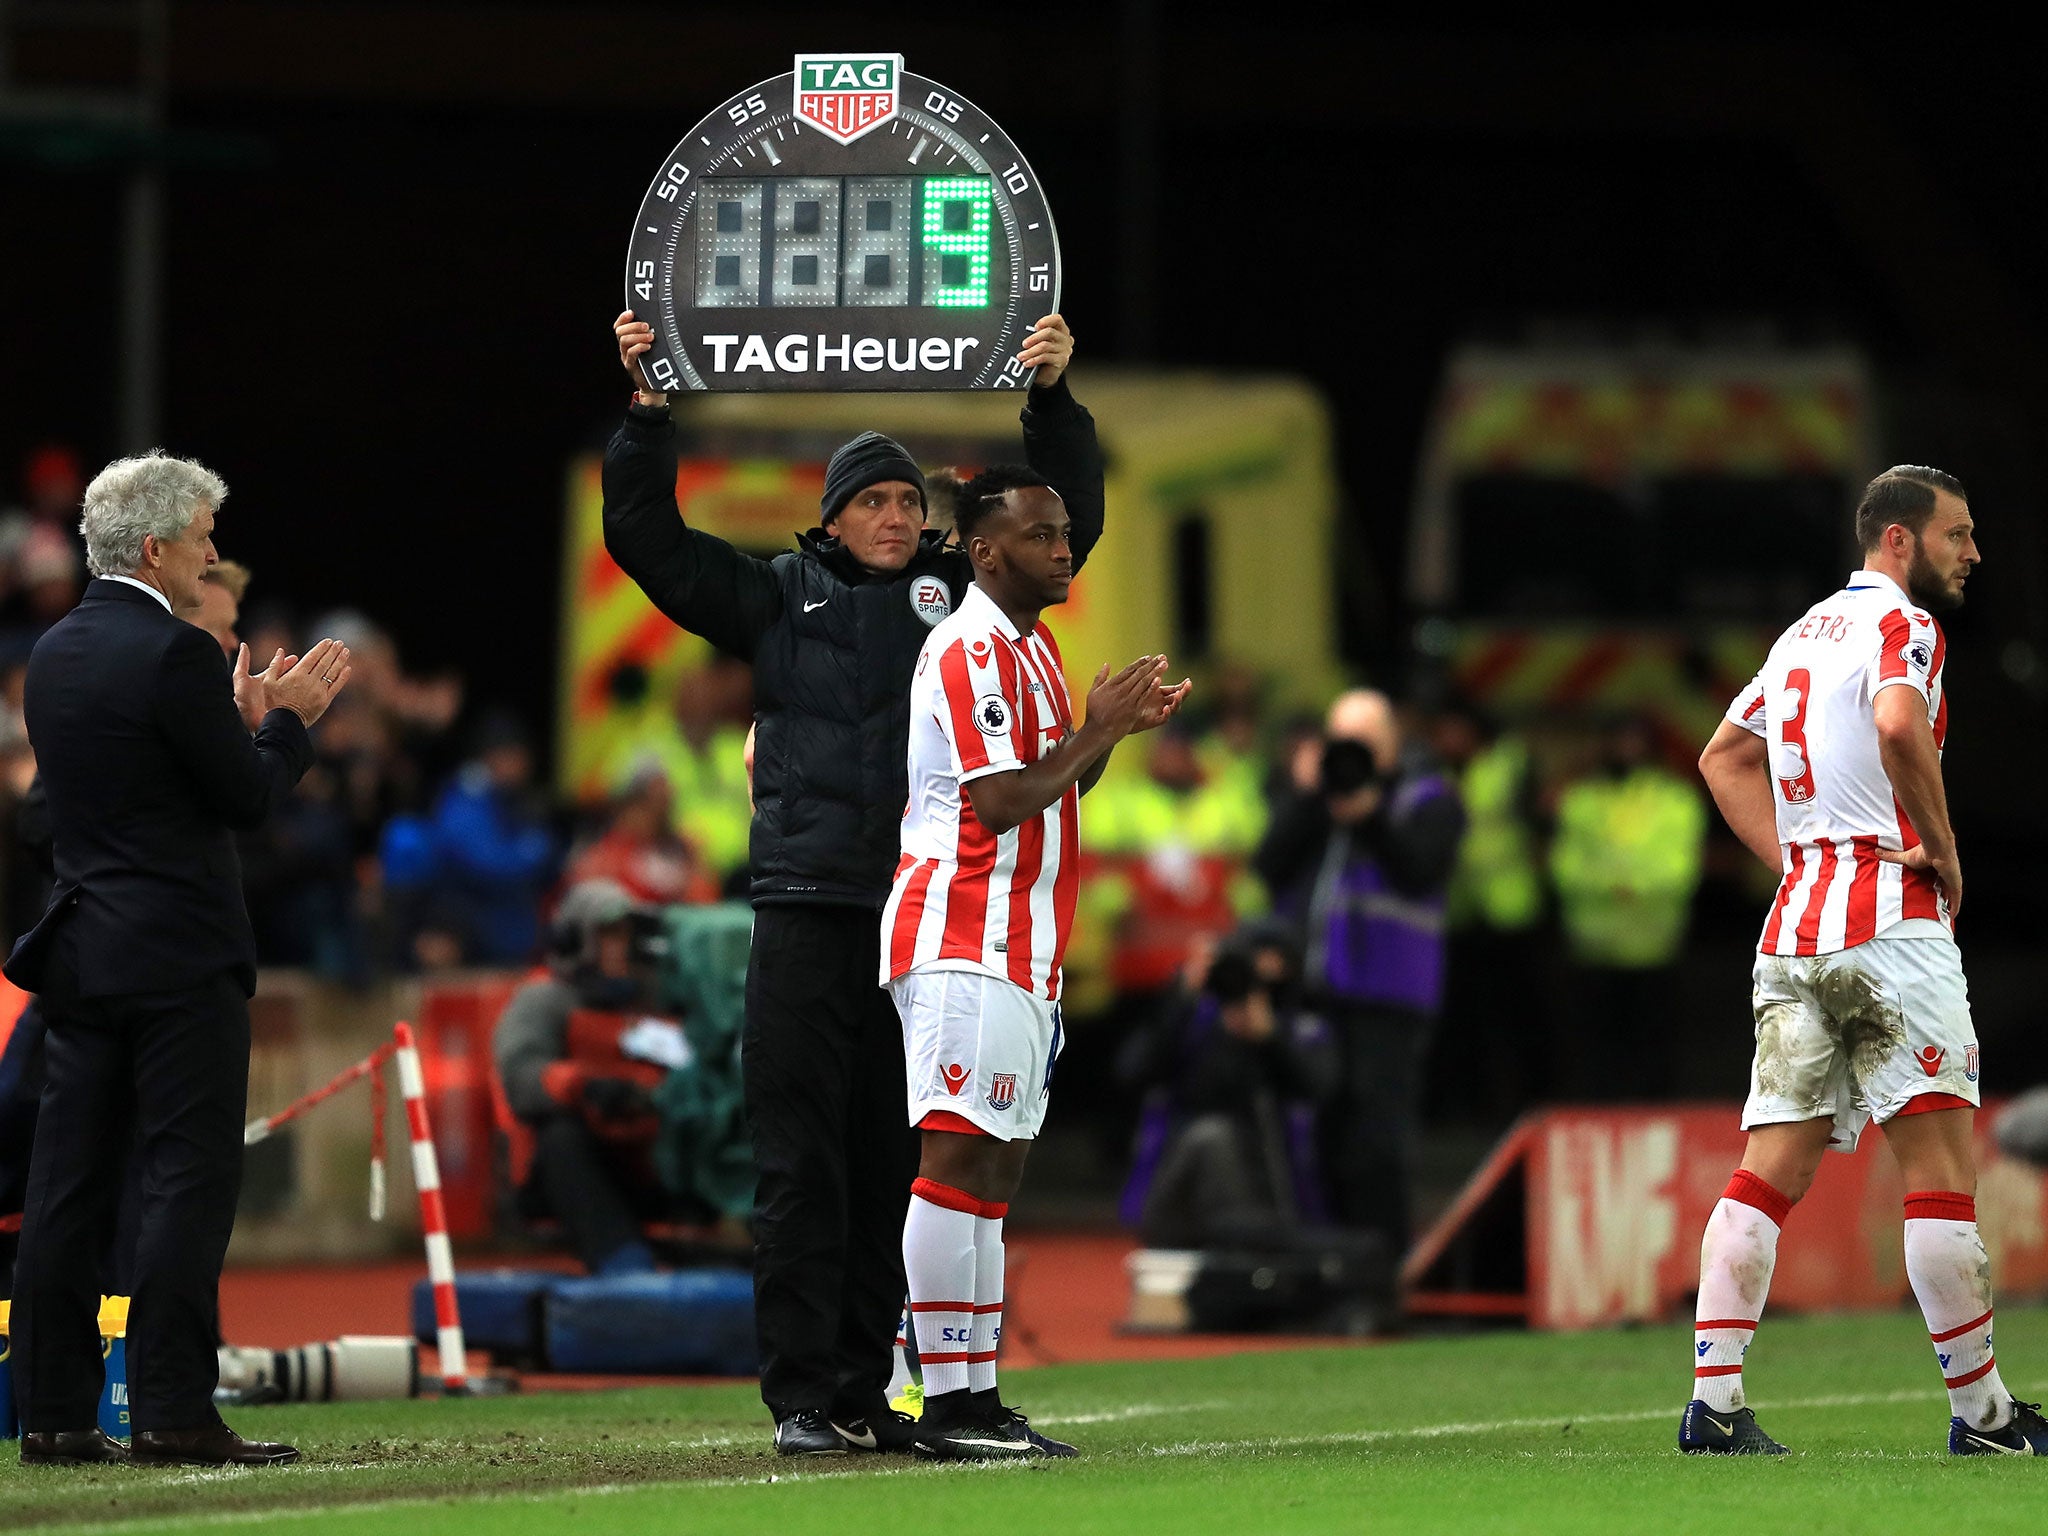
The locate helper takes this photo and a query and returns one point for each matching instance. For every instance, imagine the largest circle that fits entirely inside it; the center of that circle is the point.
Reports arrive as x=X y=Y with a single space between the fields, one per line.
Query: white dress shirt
x=143 y=586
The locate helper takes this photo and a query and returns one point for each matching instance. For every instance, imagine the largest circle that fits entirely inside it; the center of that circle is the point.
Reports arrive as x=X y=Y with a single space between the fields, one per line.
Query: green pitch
x=1473 y=1434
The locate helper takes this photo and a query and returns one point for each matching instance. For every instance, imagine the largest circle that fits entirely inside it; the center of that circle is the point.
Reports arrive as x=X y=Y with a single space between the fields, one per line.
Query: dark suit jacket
x=149 y=772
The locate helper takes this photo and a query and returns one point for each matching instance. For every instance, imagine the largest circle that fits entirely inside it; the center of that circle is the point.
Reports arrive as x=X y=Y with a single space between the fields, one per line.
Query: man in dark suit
x=144 y=965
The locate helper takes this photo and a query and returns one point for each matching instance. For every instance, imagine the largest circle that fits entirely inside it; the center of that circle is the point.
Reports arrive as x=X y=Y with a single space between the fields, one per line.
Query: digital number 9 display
x=857 y=242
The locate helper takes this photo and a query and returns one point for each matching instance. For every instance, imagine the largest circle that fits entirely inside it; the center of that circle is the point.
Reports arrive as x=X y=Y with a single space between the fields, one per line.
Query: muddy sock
x=1737 y=1255
x=1951 y=1275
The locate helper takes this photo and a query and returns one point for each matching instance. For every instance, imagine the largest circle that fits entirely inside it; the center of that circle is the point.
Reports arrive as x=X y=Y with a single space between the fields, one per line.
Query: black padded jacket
x=833 y=646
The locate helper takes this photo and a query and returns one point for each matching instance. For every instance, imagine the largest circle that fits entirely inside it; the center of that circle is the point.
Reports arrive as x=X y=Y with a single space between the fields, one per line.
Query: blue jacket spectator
x=467 y=880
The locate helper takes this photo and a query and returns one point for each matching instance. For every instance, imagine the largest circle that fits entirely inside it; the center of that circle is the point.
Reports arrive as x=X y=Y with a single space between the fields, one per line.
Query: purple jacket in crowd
x=1369 y=898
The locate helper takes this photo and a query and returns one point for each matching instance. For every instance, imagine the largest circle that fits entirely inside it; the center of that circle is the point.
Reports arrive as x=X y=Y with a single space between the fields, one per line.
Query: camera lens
x=1348 y=766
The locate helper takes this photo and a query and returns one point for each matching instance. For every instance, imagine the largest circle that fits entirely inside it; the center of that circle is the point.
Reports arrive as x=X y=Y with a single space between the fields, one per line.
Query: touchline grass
x=1489 y=1432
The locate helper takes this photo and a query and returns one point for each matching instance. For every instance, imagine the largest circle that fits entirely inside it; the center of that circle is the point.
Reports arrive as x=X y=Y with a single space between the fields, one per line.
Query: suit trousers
x=835 y=1154
x=166 y=1073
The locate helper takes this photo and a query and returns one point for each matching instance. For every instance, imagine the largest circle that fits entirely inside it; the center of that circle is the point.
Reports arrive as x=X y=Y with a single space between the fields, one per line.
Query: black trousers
x=1369 y=1134
x=826 y=1105
x=21 y=1097
x=21 y=1090
x=167 y=1073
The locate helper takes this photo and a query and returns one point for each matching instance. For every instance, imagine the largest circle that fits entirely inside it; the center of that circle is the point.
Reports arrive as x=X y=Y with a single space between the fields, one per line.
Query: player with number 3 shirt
x=1812 y=704
x=976 y=923
x=1828 y=767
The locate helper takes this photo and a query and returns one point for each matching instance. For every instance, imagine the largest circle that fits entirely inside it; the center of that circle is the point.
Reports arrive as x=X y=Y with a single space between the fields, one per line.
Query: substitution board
x=845 y=226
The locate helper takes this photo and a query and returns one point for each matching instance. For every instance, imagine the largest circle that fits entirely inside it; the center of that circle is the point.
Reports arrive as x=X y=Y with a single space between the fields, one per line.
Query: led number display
x=846 y=226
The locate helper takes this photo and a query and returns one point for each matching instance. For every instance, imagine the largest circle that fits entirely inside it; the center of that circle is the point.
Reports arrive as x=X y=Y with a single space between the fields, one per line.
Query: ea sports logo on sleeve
x=930 y=600
x=844 y=95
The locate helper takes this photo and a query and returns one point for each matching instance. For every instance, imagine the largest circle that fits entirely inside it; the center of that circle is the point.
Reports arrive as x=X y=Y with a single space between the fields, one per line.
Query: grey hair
x=130 y=500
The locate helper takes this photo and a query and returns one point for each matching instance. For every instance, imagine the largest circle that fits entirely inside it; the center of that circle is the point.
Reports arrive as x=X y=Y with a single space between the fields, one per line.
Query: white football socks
x=1951 y=1275
x=1737 y=1256
x=939 y=1263
x=988 y=1296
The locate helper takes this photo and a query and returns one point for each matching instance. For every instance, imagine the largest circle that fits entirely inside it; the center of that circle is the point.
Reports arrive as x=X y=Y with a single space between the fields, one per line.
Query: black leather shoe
x=807 y=1432
x=215 y=1447
x=70 y=1448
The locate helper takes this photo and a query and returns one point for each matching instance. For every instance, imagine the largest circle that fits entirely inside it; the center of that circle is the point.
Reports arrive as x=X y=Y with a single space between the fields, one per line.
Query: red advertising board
x=1608 y=1206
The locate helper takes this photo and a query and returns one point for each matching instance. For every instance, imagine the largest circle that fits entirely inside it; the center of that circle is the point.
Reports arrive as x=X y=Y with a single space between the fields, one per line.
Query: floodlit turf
x=1497 y=1432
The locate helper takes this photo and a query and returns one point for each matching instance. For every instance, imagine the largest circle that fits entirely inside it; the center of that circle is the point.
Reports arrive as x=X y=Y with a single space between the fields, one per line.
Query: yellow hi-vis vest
x=1626 y=861
x=1497 y=883
x=713 y=812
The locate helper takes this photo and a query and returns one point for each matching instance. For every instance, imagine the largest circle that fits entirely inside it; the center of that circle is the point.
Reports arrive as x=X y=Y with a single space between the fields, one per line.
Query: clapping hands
x=305 y=685
x=1135 y=699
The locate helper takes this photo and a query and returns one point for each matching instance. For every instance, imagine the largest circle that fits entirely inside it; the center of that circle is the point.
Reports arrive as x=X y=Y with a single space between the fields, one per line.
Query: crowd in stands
x=1391 y=861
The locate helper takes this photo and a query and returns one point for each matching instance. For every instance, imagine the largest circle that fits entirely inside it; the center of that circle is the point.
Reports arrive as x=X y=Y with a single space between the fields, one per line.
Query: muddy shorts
x=1858 y=1034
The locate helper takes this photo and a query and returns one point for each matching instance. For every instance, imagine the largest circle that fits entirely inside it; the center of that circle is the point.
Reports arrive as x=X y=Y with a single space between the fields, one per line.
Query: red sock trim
x=1747 y=1189
x=986 y=1309
x=1940 y=1205
x=934 y=1193
x=1983 y=1370
x=1927 y=1103
x=1953 y=1333
x=995 y=1210
x=958 y=1357
x=1727 y=1322
x=946 y=1120
x=942 y=1306
x=1716 y=1370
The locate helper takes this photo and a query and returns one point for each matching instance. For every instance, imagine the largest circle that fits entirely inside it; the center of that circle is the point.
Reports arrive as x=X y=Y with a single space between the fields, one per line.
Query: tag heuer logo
x=844 y=95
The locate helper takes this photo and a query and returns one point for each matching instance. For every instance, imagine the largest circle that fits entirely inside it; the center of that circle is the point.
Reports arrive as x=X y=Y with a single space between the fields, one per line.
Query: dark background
x=394 y=237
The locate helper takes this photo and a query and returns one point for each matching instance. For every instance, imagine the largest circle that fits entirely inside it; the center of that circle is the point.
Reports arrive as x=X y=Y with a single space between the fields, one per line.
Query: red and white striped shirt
x=985 y=700
x=1813 y=703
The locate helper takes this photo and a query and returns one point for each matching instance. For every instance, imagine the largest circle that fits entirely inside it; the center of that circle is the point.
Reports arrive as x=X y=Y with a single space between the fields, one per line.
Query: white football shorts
x=1858 y=1034
x=978 y=1047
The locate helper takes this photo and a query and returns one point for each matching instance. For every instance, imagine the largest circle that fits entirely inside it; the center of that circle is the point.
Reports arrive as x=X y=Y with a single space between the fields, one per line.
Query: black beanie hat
x=868 y=460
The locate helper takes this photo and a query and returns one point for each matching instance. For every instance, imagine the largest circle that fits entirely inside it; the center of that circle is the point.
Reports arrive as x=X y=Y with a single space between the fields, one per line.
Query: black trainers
x=881 y=1429
x=807 y=1432
x=1708 y=1431
x=956 y=1428
x=2025 y=1434
x=1041 y=1445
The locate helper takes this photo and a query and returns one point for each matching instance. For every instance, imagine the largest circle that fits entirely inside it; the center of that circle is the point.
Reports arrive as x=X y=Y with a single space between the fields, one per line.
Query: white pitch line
x=1133 y=1411
x=1497 y=1426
